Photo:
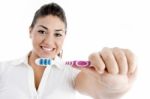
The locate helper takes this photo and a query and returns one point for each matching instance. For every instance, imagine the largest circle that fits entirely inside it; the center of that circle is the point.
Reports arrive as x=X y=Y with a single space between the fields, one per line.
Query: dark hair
x=49 y=9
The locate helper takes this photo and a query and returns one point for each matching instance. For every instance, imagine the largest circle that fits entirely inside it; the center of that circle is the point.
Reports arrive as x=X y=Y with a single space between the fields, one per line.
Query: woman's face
x=47 y=36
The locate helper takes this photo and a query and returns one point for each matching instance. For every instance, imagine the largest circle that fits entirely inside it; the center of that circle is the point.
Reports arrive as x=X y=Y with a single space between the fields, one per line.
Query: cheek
x=59 y=46
x=36 y=40
x=60 y=43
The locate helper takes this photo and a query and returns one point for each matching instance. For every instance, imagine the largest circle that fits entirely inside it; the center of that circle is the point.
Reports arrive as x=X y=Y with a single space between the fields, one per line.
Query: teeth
x=47 y=49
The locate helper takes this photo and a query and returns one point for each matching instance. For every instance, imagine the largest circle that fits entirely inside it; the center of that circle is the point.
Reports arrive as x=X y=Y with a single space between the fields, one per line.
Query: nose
x=49 y=39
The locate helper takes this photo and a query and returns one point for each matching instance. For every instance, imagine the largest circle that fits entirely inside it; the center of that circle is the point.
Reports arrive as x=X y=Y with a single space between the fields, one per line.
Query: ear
x=30 y=32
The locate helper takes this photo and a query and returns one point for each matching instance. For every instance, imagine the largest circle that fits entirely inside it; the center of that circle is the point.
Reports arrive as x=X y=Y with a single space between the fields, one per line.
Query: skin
x=112 y=71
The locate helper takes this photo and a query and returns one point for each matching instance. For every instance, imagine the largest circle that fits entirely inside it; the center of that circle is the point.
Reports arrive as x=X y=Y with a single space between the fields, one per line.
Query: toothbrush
x=47 y=62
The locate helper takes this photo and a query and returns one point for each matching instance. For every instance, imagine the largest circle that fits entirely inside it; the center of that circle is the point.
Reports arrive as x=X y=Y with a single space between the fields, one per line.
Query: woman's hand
x=111 y=75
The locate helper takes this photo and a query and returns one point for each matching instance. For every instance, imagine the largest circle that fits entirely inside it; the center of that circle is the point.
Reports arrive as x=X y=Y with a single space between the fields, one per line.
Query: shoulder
x=6 y=65
x=3 y=66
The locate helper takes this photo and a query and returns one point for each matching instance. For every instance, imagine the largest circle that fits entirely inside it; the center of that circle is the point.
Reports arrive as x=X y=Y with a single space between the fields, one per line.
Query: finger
x=132 y=76
x=131 y=60
x=109 y=60
x=121 y=60
x=97 y=62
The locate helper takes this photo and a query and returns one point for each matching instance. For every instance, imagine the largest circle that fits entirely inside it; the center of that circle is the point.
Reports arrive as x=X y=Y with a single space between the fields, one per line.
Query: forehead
x=51 y=22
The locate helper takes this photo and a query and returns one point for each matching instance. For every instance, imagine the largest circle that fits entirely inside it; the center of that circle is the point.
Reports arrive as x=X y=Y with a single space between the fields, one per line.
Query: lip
x=47 y=49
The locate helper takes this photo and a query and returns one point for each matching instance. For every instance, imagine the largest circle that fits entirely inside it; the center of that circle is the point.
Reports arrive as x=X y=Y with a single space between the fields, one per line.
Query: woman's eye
x=58 y=34
x=41 y=32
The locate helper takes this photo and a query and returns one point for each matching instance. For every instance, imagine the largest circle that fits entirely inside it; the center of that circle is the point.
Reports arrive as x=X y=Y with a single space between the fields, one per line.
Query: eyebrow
x=43 y=27
x=57 y=30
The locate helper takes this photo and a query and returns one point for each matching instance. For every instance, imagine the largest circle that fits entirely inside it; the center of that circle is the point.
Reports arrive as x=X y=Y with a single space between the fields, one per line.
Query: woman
x=110 y=75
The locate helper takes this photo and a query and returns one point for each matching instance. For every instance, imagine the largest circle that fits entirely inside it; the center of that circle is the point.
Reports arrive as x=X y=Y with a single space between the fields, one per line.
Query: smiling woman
x=110 y=75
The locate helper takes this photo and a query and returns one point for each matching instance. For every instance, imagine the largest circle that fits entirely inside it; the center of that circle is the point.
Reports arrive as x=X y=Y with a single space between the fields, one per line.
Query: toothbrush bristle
x=43 y=61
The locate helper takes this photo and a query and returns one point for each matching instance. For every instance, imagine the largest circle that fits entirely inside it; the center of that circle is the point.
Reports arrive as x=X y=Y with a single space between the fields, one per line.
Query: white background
x=92 y=25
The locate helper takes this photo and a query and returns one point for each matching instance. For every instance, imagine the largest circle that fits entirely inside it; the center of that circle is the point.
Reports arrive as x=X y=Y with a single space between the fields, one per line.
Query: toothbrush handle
x=78 y=64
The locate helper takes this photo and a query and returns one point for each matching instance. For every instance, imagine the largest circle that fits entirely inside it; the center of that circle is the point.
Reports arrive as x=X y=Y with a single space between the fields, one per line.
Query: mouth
x=47 y=49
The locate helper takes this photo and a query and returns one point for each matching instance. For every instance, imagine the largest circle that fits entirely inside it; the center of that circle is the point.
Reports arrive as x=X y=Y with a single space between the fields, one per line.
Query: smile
x=47 y=49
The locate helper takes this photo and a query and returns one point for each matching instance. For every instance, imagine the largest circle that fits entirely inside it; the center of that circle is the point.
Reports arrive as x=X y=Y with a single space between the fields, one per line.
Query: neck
x=31 y=60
